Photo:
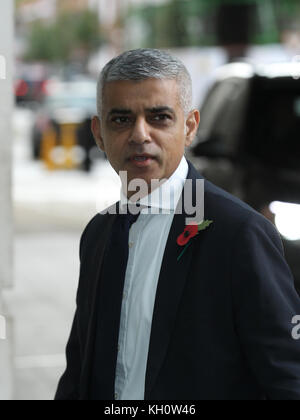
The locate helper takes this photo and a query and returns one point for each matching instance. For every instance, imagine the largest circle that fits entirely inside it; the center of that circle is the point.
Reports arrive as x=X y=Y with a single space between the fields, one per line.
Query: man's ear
x=96 y=130
x=192 y=124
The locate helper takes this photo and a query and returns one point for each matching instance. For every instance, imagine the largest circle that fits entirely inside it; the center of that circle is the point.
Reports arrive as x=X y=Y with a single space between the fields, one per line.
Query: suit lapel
x=170 y=287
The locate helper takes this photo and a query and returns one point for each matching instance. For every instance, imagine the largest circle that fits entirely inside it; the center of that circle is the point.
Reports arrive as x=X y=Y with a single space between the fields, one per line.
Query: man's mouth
x=140 y=158
x=141 y=161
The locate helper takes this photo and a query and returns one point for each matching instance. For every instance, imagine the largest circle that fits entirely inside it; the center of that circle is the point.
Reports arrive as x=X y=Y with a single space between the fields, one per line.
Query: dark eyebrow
x=157 y=110
x=154 y=110
x=121 y=111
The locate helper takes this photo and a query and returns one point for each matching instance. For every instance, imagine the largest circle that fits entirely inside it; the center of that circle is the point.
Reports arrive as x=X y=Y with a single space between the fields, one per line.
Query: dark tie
x=109 y=308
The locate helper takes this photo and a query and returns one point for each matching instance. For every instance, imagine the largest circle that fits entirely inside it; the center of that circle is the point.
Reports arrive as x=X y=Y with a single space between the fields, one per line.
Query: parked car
x=30 y=84
x=68 y=106
x=249 y=134
x=28 y=92
x=248 y=141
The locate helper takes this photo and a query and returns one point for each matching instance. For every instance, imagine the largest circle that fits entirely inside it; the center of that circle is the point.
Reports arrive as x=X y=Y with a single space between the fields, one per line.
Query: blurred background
x=244 y=58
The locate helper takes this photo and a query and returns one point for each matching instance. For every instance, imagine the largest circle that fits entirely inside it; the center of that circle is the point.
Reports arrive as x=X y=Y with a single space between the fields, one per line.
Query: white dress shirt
x=147 y=242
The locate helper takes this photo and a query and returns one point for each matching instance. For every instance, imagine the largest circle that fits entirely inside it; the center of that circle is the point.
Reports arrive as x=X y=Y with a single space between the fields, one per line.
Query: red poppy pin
x=190 y=231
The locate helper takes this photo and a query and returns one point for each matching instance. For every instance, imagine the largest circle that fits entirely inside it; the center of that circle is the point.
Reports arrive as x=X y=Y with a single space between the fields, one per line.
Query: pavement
x=42 y=305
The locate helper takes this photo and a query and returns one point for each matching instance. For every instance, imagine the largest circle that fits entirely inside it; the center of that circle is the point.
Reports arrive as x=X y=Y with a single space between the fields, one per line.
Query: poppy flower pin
x=190 y=231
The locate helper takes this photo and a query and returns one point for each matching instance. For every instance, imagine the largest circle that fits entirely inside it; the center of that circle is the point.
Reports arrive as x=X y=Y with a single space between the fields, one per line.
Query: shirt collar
x=166 y=196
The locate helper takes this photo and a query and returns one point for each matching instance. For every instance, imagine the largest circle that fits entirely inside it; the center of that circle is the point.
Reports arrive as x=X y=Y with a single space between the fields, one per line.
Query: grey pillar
x=6 y=225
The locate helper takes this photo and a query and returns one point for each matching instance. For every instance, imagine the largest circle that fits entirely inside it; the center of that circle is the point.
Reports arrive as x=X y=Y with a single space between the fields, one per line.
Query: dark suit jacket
x=222 y=318
x=292 y=255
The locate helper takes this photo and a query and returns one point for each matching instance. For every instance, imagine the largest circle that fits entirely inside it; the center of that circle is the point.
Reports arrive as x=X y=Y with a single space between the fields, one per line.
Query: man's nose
x=140 y=132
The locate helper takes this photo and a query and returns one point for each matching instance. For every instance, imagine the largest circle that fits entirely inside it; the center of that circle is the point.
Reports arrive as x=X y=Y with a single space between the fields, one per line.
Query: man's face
x=143 y=129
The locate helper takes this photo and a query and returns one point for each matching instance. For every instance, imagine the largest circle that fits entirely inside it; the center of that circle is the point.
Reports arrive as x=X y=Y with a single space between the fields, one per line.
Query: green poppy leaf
x=204 y=224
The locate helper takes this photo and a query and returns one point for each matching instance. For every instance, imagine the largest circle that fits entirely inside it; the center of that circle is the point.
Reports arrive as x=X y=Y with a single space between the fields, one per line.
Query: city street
x=243 y=59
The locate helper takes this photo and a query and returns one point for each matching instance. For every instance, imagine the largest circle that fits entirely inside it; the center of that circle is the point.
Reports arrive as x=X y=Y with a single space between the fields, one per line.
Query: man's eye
x=121 y=120
x=161 y=117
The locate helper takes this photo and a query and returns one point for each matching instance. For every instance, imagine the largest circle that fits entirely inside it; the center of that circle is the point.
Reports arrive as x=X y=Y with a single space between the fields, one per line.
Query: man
x=156 y=320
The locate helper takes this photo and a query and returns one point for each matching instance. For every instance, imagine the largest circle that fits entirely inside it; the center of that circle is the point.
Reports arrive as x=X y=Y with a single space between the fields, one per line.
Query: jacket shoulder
x=220 y=201
x=222 y=205
x=233 y=213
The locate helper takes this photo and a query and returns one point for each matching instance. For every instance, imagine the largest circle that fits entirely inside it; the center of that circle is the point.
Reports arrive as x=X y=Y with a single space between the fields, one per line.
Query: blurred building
x=73 y=5
x=29 y=11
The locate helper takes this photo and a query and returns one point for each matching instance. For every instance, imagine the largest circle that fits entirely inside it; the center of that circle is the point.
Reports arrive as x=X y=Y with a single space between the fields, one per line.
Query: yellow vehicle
x=62 y=136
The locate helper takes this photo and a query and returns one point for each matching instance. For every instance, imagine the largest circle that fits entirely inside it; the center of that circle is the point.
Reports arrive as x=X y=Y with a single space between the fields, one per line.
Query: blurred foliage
x=181 y=23
x=60 y=40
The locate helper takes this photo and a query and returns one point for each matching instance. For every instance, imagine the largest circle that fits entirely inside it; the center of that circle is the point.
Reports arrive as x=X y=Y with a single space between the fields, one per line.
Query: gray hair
x=142 y=64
